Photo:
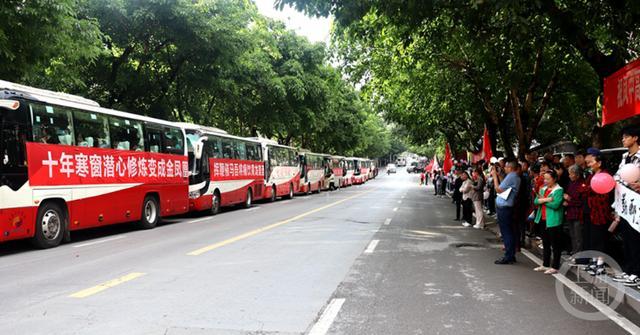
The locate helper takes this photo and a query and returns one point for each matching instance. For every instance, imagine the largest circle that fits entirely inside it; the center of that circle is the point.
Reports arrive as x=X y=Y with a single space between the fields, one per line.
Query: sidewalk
x=577 y=274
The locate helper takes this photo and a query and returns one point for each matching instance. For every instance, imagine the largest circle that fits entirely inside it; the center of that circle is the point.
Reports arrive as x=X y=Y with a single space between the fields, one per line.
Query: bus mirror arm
x=199 y=147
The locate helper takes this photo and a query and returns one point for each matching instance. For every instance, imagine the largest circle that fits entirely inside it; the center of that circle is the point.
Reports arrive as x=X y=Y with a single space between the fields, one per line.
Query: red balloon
x=602 y=183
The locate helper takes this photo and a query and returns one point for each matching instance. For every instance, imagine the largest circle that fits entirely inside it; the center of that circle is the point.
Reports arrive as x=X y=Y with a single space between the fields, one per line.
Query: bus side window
x=173 y=141
x=154 y=139
x=91 y=129
x=51 y=124
x=241 y=152
x=214 y=146
x=227 y=149
x=126 y=134
x=253 y=152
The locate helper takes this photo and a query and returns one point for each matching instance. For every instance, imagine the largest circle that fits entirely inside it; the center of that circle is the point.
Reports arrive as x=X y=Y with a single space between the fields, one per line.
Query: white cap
x=493 y=160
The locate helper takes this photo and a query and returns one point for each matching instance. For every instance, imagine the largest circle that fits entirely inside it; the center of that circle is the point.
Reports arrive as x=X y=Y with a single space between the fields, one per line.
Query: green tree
x=47 y=43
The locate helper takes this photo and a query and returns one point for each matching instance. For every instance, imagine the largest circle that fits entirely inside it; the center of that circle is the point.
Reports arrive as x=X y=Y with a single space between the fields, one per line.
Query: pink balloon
x=602 y=183
x=630 y=173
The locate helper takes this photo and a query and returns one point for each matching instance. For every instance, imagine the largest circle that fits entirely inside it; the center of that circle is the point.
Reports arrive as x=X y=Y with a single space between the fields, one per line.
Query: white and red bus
x=373 y=169
x=282 y=169
x=336 y=171
x=333 y=173
x=350 y=170
x=363 y=167
x=314 y=172
x=225 y=170
x=68 y=164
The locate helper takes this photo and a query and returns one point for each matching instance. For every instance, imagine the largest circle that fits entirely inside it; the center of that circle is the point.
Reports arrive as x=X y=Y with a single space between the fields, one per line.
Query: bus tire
x=215 y=203
x=290 y=195
x=273 y=194
x=50 y=225
x=150 y=212
x=249 y=199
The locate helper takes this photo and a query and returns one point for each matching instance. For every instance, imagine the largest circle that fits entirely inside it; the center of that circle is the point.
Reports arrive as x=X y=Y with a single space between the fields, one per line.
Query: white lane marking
x=200 y=220
x=399 y=201
x=328 y=316
x=372 y=246
x=98 y=242
x=618 y=319
x=395 y=209
x=387 y=222
x=252 y=209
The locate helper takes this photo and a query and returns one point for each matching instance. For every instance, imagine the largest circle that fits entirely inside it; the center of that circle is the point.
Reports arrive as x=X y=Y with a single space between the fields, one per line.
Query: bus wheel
x=308 y=189
x=249 y=200
x=290 y=195
x=215 y=206
x=273 y=193
x=49 y=226
x=150 y=212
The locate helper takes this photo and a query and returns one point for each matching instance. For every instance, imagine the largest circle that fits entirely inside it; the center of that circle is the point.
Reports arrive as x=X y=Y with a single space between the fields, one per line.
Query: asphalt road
x=281 y=268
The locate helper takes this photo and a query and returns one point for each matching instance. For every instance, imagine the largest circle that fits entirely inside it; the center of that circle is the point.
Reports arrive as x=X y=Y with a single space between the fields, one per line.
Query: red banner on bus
x=235 y=169
x=53 y=164
x=622 y=94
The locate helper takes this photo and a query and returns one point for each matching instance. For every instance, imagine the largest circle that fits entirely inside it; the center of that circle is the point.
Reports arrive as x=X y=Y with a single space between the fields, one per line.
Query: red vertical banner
x=448 y=163
x=486 y=145
x=622 y=94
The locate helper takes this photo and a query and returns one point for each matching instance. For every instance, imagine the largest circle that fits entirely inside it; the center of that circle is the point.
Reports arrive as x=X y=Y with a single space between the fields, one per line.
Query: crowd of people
x=548 y=201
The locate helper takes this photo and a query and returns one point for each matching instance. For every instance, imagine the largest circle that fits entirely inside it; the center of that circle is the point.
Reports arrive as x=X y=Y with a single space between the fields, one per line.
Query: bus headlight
x=194 y=194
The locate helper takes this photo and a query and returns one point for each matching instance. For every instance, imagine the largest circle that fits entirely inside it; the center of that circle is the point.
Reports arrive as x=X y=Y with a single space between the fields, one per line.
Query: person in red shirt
x=600 y=213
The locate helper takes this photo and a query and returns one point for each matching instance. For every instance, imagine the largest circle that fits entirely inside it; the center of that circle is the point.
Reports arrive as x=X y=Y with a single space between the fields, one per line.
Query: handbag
x=486 y=195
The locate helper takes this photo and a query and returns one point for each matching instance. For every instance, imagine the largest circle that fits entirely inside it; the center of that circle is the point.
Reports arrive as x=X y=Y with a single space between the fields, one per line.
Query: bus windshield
x=194 y=164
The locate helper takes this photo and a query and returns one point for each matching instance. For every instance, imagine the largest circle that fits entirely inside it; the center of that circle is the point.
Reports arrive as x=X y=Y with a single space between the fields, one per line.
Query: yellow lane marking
x=269 y=227
x=101 y=287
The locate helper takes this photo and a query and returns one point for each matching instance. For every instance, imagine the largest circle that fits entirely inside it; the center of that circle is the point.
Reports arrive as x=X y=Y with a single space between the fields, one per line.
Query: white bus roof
x=267 y=141
x=213 y=131
x=204 y=129
x=39 y=94
x=307 y=152
x=72 y=101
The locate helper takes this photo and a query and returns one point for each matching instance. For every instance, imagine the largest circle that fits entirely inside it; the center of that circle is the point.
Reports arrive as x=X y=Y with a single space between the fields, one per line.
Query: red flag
x=486 y=145
x=448 y=163
x=621 y=96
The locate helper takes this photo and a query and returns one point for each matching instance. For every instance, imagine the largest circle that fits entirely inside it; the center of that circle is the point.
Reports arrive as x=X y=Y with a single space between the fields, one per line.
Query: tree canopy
x=531 y=72
x=213 y=62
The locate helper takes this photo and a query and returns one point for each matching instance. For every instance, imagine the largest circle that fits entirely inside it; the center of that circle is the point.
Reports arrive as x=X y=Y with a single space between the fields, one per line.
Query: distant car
x=391 y=168
x=412 y=167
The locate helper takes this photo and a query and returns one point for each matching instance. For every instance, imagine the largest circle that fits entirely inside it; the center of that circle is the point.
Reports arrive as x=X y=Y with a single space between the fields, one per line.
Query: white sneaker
x=466 y=224
x=540 y=269
x=476 y=226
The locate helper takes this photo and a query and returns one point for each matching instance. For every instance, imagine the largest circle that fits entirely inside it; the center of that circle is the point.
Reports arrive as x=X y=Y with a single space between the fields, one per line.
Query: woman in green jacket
x=550 y=215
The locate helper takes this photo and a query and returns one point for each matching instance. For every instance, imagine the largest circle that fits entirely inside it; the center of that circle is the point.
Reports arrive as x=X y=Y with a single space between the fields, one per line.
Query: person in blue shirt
x=505 y=208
